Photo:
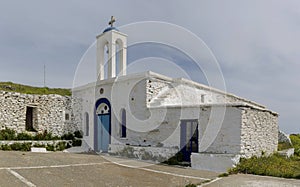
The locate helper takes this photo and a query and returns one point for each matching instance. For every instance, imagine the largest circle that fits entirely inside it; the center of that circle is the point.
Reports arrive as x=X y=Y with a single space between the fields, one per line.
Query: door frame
x=183 y=139
x=96 y=138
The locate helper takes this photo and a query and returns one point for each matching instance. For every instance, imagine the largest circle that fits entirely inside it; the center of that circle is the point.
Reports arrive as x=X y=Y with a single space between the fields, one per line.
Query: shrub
x=69 y=136
x=39 y=145
x=7 y=134
x=224 y=175
x=274 y=165
x=50 y=148
x=45 y=136
x=68 y=145
x=20 y=146
x=295 y=138
x=60 y=146
x=283 y=146
x=191 y=185
x=5 y=147
x=38 y=136
x=24 y=136
x=76 y=142
x=78 y=134
x=177 y=159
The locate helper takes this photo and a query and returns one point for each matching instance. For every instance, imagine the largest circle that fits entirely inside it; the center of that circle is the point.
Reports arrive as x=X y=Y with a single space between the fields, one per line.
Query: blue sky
x=256 y=42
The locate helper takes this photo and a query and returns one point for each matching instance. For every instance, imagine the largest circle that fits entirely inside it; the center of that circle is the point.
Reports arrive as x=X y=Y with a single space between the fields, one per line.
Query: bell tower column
x=123 y=58
x=111 y=59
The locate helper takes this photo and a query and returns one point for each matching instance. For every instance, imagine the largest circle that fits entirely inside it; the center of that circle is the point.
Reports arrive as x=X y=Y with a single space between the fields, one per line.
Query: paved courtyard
x=66 y=169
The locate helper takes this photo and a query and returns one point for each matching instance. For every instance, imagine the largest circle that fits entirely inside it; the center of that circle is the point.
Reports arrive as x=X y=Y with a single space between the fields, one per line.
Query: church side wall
x=162 y=129
x=84 y=108
x=217 y=135
x=259 y=132
x=49 y=112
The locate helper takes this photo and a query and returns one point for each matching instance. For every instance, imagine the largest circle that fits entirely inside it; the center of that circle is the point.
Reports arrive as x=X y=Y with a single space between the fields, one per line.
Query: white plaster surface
x=213 y=162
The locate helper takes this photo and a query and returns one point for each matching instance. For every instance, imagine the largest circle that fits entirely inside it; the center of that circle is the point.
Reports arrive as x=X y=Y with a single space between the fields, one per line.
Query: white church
x=154 y=117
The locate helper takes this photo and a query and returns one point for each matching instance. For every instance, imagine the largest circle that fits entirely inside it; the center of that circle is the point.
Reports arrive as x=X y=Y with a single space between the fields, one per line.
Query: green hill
x=295 y=138
x=13 y=87
x=273 y=165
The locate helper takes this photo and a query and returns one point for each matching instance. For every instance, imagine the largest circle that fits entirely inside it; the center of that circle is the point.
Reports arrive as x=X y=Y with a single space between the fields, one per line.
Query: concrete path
x=67 y=169
x=241 y=180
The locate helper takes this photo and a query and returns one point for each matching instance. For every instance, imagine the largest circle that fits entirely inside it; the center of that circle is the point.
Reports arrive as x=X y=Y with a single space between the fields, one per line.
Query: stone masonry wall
x=52 y=113
x=259 y=132
x=154 y=87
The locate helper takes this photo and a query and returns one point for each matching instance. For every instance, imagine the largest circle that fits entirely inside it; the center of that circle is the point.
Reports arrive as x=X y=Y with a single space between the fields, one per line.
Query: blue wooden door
x=188 y=138
x=103 y=132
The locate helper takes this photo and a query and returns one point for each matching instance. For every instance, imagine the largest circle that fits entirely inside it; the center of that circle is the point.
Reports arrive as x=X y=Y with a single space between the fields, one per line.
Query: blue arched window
x=123 y=133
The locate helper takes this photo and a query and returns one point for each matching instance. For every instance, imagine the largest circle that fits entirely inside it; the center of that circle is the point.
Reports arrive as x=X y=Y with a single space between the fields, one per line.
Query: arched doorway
x=102 y=125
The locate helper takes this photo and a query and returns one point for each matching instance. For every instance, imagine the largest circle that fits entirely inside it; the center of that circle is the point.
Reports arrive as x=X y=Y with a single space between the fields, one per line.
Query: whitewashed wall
x=223 y=135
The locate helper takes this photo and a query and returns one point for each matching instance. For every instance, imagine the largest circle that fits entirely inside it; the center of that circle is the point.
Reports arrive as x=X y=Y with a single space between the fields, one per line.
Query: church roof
x=110 y=28
x=184 y=84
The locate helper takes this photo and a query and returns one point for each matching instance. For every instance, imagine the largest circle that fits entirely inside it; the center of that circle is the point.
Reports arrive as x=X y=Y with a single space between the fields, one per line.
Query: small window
x=31 y=118
x=202 y=98
x=101 y=91
x=123 y=124
x=67 y=117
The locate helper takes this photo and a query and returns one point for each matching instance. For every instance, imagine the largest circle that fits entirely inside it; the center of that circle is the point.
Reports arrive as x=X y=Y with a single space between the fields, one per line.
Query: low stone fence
x=158 y=154
x=287 y=153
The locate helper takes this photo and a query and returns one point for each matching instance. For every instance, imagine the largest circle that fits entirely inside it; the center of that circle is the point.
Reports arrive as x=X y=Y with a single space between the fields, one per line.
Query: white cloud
x=256 y=42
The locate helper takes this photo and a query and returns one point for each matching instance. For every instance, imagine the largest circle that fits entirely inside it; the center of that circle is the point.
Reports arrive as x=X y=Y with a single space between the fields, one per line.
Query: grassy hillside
x=13 y=87
x=273 y=165
x=295 y=138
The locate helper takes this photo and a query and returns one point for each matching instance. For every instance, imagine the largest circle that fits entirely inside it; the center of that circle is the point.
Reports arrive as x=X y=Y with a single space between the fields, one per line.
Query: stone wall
x=158 y=154
x=284 y=138
x=259 y=133
x=154 y=87
x=51 y=113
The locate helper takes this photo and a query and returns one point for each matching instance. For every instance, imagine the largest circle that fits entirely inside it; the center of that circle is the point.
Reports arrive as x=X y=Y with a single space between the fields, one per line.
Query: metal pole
x=44 y=76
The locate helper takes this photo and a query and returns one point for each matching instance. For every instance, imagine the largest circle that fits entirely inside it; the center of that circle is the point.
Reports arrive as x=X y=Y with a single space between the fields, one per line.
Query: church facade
x=152 y=116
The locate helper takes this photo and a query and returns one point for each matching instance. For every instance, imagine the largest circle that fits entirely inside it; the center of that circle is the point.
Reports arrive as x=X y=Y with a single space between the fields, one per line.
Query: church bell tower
x=112 y=43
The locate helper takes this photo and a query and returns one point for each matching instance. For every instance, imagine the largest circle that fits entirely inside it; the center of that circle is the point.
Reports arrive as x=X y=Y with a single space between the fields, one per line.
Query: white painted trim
x=21 y=178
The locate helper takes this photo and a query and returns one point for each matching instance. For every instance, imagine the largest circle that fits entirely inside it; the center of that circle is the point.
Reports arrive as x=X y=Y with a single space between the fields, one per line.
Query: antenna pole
x=44 y=76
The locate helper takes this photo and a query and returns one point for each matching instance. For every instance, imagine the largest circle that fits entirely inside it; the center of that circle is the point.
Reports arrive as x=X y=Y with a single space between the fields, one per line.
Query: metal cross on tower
x=112 y=20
